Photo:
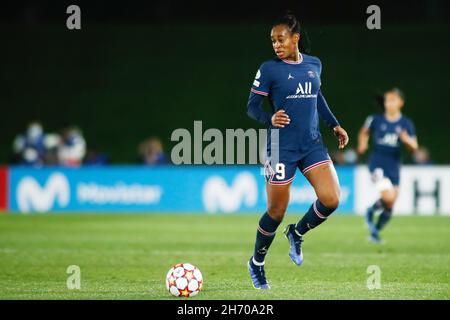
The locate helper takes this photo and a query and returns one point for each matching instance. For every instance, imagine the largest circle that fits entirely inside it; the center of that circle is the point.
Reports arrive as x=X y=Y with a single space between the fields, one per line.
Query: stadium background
x=131 y=66
x=148 y=67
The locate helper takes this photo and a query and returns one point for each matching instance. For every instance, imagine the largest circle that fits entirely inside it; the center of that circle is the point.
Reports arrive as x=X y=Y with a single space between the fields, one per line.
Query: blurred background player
x=388 y=131
x=151 y=152
x=292 y=83
x=72 y=147
x=32 y=147
x=29 y=148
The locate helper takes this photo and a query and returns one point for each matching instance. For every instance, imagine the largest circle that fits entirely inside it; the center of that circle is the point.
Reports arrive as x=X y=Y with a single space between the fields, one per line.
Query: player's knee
x=389 y=199
x=277 y=211
x=389 y=202
x=331 y=200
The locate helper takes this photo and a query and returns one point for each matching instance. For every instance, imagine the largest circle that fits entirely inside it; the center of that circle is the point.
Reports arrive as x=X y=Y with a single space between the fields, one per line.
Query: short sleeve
x=368 y=124
x=262 y=82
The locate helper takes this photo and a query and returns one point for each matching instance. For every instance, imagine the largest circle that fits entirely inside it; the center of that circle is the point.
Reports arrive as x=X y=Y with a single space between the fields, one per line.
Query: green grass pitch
x=125 y=256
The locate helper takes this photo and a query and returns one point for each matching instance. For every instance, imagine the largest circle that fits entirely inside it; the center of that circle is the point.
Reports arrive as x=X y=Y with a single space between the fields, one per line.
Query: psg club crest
x=311 y=74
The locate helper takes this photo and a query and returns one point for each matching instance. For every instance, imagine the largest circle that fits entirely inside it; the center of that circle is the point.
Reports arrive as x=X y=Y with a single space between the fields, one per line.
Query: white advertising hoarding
x=424 y=190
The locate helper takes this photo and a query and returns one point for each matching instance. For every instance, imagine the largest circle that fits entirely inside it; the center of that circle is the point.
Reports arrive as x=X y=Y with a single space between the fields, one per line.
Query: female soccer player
x=389 y=131
x=292 y=83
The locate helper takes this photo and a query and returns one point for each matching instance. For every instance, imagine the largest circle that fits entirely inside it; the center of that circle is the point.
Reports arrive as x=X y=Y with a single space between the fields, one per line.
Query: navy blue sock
x=384 y=218
x=379 y=204
x=264 y=236
x=316 y=214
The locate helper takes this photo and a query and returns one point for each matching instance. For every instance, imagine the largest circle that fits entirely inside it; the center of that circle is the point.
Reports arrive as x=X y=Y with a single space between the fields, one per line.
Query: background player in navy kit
x=292 y=83
x=389 y=130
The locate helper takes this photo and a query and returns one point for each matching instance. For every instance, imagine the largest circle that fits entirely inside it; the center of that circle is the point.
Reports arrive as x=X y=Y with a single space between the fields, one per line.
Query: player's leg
x=278 y=185
x=277 y=202
x=320 y=172
x=381 y=184
x=370 y=213
x=388 y=194
x=388 y=197
x=325 y=182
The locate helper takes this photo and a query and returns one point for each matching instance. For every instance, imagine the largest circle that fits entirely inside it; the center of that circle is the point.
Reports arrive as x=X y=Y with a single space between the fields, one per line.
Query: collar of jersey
x=295 y=62
x=393 y=121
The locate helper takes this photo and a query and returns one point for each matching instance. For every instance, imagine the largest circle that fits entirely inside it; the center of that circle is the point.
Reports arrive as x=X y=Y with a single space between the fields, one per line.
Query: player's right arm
x=260 y=89
x=363 y=135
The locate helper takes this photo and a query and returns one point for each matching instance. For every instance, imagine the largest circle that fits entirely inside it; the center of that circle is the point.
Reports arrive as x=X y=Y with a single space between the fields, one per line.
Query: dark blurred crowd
x=68 y=148
x=151 y=152
x=35 y=147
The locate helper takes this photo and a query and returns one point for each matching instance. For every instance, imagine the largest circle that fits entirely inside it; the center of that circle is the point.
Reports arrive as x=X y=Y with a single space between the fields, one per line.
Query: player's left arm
x=408 y=137
x=329 y=118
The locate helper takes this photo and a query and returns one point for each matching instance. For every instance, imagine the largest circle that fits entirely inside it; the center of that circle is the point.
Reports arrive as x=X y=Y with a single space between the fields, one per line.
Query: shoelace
x=260 y=275
x=298 y=244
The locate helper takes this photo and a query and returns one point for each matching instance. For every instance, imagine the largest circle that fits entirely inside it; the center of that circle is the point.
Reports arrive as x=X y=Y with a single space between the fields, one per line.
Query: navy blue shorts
x=389 y=169
x=283 y=172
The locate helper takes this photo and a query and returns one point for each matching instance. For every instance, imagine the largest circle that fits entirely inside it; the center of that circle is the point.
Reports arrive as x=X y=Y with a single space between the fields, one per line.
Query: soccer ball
x=184 y=280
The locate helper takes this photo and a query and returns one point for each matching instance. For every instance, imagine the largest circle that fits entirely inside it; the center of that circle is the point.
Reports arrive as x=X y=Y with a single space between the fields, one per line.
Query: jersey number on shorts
x=280 y=170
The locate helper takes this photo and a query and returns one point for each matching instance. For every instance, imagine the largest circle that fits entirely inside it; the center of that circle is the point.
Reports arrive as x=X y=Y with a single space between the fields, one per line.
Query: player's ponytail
x=291 y=22
x=293 y=25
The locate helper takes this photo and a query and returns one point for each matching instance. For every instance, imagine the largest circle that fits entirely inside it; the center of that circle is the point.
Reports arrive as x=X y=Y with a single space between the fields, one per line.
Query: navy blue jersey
x=294 y=87
x=385 y=134
x=386 y=145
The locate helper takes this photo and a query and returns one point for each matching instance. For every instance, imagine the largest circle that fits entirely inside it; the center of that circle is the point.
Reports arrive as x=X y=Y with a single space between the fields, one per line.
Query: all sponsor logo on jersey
x=303 y=91
x=389 y=139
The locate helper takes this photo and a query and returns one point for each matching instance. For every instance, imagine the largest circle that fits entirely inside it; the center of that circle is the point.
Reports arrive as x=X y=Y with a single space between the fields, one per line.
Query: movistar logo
x=31 y=196
x=218 y=196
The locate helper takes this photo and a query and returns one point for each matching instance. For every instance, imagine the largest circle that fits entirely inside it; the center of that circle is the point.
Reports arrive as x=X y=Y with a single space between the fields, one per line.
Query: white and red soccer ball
x=184 y=280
